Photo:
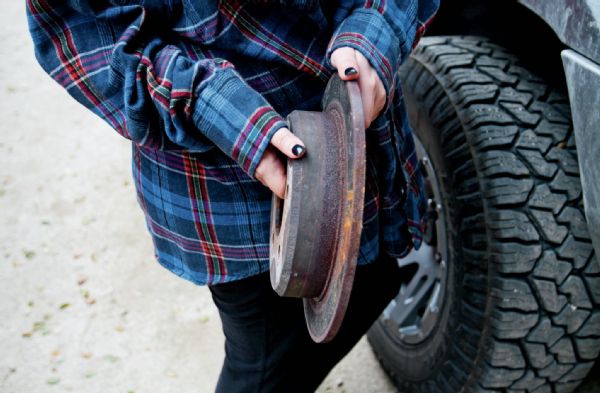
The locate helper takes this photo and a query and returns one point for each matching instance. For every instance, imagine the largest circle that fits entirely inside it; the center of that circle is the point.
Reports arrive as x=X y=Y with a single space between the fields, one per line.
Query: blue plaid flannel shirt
x=200 y=87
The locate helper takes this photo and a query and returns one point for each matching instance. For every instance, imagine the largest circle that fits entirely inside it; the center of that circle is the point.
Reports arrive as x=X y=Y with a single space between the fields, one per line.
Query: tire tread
x=539 y=330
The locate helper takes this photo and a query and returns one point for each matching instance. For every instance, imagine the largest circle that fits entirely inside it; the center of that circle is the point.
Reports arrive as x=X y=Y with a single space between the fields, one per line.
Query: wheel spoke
x=415 y=295
x=414 y=311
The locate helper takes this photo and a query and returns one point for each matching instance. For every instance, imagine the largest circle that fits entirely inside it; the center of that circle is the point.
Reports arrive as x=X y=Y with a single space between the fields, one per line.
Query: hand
x=271 y=170
x=352 y=65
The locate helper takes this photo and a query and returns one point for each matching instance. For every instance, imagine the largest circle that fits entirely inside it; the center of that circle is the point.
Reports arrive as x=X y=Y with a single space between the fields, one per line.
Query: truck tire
x=504 y=294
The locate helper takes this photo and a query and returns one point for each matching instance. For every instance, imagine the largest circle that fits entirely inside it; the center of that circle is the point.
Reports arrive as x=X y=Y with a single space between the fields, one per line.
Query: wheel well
x=511 y=25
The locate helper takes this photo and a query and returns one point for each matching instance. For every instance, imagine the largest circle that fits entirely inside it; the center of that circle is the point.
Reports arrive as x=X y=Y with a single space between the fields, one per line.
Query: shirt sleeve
x=383 y=31
x=120 y=61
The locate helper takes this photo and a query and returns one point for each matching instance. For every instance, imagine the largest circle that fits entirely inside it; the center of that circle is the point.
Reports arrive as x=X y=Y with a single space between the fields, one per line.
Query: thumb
x=344 y=60
x=288 y=143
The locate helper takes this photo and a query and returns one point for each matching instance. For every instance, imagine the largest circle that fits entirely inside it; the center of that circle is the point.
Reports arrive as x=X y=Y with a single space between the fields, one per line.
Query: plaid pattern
x=200 y=87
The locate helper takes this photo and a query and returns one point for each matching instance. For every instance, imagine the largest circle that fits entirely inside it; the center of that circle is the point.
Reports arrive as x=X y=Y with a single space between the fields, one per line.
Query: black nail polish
x=298 y=150
x=350 y=71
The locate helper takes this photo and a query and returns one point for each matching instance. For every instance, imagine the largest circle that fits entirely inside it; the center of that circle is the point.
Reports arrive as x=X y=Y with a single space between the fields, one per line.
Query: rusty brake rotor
x=316 y=228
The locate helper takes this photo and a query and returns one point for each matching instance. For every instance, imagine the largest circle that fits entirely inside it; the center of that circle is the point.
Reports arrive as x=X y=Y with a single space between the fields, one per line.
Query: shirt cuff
x=367 y=31
x=237 y=118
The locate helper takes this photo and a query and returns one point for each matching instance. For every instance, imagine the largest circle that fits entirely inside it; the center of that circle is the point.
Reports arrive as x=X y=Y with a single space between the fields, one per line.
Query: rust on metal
x=316 y=228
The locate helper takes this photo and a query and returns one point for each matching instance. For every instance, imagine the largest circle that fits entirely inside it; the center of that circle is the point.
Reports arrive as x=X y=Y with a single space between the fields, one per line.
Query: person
x=202 y=88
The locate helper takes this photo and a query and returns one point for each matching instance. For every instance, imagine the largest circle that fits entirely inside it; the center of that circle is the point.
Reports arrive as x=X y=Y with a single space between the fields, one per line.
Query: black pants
x=267 y=345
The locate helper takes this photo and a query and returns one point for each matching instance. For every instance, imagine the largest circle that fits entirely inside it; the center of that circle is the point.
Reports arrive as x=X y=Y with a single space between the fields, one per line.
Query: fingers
x=366 y=82
x=271 y=172
x=371 y=89
x=352 y=65
x=288 y=143
x=271 y=168
x=344 y=60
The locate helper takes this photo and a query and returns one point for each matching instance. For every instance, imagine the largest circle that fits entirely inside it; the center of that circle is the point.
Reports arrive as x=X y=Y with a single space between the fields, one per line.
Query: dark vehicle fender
x=583 y=81
x=575 y=22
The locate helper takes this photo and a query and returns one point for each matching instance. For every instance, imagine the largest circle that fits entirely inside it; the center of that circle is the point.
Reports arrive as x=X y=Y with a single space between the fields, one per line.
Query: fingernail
x=298 y=150
x=350 y=71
